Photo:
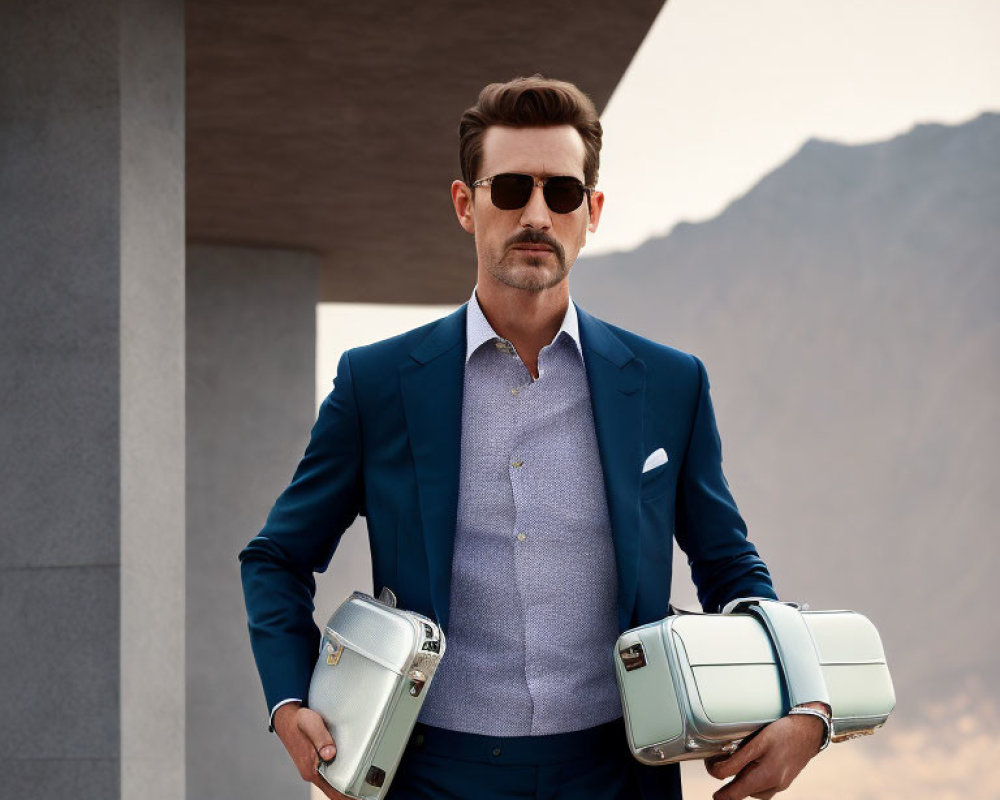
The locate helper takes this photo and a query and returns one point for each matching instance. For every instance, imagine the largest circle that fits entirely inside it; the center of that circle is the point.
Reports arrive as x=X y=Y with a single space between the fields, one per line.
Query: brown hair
x=527 y=103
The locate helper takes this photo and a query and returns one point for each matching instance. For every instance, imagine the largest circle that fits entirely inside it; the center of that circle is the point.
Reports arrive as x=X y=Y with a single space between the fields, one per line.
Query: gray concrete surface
x=251 y=354
x=151 y=70
x=91 y=401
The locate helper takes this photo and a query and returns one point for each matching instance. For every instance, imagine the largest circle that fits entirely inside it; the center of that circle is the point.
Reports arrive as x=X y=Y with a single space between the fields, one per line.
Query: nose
x=536 y=213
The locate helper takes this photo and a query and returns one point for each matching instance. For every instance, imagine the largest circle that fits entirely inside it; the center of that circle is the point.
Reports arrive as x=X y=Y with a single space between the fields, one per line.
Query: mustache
x=529 y=236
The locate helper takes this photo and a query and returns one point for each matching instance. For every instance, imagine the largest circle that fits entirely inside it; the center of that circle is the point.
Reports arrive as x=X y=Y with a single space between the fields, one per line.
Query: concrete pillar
x=92 y=399
x=251 y=340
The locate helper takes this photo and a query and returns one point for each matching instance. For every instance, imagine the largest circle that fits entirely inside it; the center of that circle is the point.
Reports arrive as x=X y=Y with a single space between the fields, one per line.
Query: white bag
x=369 y=683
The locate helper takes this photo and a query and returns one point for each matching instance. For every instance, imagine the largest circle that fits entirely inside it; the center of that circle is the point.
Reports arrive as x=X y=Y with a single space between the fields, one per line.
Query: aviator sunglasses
x=510 y=191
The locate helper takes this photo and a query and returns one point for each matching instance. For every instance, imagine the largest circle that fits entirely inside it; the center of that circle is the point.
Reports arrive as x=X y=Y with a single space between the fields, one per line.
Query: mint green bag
x=694 y=685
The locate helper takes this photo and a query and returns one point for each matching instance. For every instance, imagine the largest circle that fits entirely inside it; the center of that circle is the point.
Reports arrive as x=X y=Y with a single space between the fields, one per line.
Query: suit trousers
x=592 y=764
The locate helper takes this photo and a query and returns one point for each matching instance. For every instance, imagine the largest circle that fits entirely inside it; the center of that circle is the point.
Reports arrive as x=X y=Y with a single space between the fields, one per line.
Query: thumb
x=312 y=725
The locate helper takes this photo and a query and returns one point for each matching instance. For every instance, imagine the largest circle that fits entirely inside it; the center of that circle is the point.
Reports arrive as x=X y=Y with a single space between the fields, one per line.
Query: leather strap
x=794 y=645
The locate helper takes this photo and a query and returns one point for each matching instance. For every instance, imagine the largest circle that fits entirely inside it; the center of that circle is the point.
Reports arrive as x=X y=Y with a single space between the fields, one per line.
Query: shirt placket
x=530 y=416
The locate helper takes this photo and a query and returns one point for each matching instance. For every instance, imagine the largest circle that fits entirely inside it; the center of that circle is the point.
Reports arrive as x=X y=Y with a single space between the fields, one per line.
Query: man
x=523 y=467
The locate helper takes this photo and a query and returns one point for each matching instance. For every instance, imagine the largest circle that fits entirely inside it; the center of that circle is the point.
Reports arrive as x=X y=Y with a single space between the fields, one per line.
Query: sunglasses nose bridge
x=536 y=212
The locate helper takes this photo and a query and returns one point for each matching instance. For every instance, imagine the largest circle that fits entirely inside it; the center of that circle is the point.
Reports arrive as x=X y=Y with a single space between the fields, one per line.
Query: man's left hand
x=770 y=761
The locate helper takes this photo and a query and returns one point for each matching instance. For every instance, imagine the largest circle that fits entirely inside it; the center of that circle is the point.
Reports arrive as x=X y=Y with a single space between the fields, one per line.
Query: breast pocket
x=656 y=482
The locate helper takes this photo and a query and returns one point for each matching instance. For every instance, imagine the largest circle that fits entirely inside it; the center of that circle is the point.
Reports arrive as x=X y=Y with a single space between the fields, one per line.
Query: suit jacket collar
x=432 y=383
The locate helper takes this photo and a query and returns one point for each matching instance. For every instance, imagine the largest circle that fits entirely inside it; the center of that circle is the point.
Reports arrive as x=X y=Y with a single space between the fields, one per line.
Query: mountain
x=847 y=308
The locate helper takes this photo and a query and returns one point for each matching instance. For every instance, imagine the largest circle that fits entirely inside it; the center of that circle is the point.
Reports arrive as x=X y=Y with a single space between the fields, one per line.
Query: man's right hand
x=307 y=741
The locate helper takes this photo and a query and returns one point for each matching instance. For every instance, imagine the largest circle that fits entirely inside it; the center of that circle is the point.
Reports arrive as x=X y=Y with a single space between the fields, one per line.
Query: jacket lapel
x=617 y=392
x=432 y=384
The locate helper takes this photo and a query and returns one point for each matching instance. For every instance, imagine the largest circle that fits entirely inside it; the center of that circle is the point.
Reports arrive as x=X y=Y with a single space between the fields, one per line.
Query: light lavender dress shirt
x=533 y=602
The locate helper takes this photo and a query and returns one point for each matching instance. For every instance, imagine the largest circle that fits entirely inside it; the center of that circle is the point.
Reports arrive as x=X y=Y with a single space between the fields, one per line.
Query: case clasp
x=417 y=682
x=333 y=654
x=633 y=657
x=375 y=777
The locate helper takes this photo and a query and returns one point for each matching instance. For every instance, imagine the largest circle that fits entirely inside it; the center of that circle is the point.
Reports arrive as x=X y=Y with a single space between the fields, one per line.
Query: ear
x=462 y=198
x=596 y=205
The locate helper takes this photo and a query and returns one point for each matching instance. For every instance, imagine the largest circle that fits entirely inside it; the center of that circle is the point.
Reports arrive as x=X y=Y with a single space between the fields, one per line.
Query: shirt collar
x=478 y=330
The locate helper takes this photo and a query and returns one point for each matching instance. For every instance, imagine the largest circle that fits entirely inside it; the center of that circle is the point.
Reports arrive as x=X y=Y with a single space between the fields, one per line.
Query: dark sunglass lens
x=564 y=194
x=511 y=191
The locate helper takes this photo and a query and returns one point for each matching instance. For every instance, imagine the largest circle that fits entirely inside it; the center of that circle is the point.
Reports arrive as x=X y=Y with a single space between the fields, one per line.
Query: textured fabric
x=534 y=587
x=592 y=764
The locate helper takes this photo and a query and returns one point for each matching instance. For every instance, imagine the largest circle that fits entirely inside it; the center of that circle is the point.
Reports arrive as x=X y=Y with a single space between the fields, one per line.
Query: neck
x=529 y=320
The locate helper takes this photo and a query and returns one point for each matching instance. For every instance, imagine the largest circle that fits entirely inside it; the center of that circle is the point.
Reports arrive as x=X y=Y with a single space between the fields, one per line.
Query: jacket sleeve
x=709 y=528
x=299 y=537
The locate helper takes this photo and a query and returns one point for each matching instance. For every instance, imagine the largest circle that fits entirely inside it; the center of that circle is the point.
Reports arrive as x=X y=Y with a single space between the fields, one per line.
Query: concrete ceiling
x=333 y=128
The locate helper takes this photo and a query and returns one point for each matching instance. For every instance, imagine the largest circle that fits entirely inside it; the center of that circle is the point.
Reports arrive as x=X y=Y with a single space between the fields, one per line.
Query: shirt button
x=518 y=464
x=514 y=392
x=521 y=537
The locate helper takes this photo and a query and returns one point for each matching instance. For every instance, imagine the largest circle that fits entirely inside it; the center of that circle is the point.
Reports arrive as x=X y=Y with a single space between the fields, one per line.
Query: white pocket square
x=657 y=457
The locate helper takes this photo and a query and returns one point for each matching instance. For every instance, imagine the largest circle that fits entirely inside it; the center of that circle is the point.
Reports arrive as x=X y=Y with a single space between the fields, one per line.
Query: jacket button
x=496 y=751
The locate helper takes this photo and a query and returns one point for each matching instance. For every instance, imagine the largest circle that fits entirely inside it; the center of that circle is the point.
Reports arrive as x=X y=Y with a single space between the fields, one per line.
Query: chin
x=532 y=278
x=532 y=273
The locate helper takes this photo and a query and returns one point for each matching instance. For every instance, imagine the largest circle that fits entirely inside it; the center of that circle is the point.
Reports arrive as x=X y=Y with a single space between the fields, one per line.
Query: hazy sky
x=721 y=92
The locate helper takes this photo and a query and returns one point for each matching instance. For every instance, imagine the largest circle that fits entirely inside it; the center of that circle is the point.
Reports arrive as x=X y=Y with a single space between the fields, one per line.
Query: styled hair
x=530 y=103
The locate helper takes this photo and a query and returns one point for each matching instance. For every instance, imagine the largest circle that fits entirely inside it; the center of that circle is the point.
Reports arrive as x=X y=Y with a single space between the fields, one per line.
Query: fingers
x=761 y=779
x=747 y=781
x=311 y=724
x=726 y=766
x=328 y=790
x=767 y=763
x=712 y=762
x=755 y=780
x=307 y=741
x=758 y=772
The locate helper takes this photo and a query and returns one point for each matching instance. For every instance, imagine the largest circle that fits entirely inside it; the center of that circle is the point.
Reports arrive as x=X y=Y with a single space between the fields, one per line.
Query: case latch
x=375 y=777
x=417 y=682
x=633 y=656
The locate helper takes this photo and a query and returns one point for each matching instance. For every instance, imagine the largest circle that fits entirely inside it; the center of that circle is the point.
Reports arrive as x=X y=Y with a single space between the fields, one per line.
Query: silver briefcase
x=375 y=665
x=694 y=685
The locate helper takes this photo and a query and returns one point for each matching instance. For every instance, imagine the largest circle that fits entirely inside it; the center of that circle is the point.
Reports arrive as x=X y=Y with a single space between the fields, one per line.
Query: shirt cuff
x=270 y=722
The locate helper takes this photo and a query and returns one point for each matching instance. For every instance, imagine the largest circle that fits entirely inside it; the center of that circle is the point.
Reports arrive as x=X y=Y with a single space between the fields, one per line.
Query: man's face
x=530 y=248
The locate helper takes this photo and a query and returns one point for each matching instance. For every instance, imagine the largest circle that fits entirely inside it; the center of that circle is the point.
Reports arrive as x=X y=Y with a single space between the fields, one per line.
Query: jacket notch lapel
x=617 y=393
x=432 y=386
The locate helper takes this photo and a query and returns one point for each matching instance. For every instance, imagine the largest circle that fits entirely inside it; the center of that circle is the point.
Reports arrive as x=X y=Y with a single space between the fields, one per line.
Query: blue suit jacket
x=386 y=444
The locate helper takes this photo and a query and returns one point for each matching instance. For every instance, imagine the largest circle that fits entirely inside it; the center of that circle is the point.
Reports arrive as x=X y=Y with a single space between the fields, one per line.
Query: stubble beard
x=519 y=269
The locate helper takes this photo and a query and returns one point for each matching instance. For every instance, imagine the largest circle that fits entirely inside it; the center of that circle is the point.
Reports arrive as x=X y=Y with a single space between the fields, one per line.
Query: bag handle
x=387 y=597
x=794 y=645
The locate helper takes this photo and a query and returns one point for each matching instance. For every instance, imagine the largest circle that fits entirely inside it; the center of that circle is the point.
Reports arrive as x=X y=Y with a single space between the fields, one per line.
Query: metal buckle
x=333 y=654
x=417 y=682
